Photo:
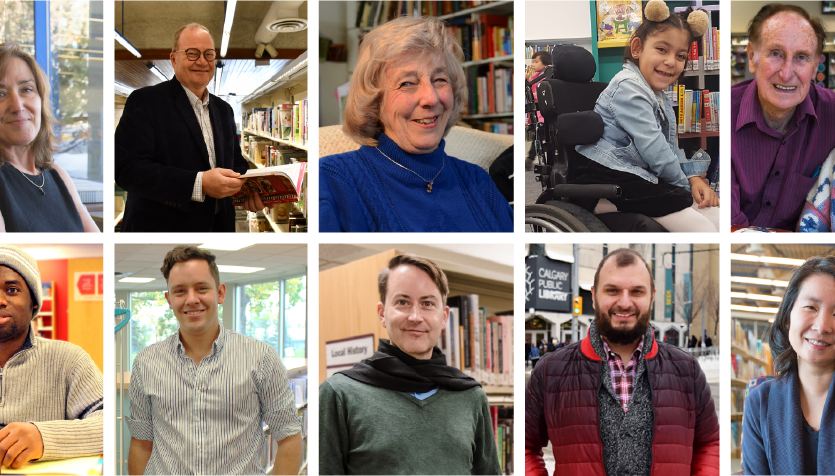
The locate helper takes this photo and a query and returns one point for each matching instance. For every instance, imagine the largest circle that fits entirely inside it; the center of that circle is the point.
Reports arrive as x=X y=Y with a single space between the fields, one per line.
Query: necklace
x=429 y=183
x=43 y=181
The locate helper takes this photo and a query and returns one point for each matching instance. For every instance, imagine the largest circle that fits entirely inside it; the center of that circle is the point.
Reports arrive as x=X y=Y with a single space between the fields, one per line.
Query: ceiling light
x=764 y=310
x=767 y=259
x=218 y=75
x=227 y=26
x=136 y=280
x=760 y=281
x=237 y=269
x=271 y=50
x=157 y=72
x=223 y=246
x=259 y=51
x=127 y=44
x=757 y=297
x=123 y=90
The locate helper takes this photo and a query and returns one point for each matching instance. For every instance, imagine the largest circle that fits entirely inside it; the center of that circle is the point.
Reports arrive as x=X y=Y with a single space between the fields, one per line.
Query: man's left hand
x=253 y=203
x=20 y=443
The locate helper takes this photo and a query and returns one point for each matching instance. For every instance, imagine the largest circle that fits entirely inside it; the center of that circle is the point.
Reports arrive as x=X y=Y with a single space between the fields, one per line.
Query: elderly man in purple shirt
x=783 y=126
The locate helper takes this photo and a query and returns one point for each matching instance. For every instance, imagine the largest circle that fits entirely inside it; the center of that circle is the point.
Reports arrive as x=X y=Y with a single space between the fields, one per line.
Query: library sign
x=547 y=284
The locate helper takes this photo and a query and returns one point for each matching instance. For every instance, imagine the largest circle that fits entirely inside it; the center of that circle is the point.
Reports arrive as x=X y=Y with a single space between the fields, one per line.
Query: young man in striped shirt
x=618 y=402
x=198 y=398
x=51 y=392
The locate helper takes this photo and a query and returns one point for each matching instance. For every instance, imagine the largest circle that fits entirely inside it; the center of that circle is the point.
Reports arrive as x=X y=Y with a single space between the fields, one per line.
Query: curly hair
x=380 y=50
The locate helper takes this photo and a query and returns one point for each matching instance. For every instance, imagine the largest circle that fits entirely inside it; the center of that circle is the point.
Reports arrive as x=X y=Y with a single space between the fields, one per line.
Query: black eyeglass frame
x=198 y=53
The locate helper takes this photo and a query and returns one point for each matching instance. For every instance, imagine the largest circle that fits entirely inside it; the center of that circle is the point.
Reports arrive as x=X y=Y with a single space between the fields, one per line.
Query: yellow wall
x=85 y=318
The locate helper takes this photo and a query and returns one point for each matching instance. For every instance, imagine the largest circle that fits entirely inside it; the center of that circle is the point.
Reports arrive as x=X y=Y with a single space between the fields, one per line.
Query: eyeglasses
x=193 y=54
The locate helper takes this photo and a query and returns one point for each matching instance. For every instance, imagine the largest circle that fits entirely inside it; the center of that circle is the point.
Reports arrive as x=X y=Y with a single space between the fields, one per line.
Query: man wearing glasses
x=177 y=151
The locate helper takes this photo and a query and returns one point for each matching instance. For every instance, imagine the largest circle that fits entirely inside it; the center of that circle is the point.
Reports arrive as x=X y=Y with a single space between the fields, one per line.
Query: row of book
x=269 y=154
x=496 y=127
x=288 y=122
x=491 y=89
x=700 y=111
x=503 y=433
x=710 y=51
x=746 y=369
x=478 y=345
x=371 y=13
x=483 y=36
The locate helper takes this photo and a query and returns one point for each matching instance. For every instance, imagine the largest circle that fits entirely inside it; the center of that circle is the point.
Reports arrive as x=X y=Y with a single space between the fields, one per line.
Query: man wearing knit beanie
x=52 y=392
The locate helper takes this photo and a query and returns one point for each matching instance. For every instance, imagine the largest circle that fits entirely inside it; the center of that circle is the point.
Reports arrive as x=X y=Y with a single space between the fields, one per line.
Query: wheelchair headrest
x=573 y=63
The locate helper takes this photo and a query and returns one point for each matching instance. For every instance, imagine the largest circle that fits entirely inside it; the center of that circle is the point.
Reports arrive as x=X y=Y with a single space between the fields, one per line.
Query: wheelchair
x=566 y=98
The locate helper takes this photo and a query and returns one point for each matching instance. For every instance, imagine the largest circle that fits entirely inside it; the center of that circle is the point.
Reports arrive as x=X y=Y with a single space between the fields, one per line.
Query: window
x=275 y=313
x=295 y=318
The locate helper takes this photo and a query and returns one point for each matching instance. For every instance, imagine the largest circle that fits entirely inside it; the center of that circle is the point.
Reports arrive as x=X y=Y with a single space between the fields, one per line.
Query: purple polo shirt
x=771 y=174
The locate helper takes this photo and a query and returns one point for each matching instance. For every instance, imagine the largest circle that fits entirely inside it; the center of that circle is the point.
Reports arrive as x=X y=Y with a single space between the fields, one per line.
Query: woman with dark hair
x=790 y=421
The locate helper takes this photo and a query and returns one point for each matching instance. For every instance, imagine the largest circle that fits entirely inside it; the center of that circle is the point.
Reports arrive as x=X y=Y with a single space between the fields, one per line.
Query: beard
x=12 y=331
x=603 y=322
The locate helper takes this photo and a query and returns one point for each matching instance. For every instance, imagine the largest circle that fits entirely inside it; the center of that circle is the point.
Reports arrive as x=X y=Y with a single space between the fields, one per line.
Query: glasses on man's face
x=193 y=54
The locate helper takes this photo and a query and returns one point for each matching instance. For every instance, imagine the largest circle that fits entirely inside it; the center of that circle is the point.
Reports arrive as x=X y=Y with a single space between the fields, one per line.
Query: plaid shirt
x=623 y=379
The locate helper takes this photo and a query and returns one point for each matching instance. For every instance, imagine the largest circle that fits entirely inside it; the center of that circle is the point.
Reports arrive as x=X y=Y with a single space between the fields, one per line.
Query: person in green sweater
x=404 y=410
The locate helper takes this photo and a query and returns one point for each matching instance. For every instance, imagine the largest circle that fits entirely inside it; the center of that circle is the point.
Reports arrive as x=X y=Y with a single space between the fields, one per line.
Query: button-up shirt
x=771 y=174
x=201 y=110
x=623 y=377
x=206 y=418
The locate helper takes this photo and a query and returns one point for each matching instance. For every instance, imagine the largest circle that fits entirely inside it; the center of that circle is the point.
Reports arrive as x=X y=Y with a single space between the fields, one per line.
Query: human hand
x=20 y=443
x=221 y=183
x=702 y=193
x=253 y=203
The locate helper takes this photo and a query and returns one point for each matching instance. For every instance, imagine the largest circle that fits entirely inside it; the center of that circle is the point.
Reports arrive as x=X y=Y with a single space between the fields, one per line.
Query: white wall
x=557 y=20
x=743 y=12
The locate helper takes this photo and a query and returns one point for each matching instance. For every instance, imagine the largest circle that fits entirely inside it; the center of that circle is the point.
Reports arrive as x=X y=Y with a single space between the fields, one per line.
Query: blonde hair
x=196 y=26
x=44 y=144
x=378 y=52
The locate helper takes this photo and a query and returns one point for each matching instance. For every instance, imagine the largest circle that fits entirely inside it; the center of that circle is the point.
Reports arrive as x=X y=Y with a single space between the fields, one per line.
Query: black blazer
x=160 y=149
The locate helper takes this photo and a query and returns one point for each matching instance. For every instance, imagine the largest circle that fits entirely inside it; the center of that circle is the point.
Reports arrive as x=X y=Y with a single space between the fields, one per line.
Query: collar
x=217 y=345
x=660 y=99
x=194 y=100
x=639 y=350
x=592 y=348
x=750 y=110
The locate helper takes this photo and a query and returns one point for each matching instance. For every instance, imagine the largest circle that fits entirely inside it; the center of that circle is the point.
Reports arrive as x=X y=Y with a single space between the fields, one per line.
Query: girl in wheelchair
x=639 y=149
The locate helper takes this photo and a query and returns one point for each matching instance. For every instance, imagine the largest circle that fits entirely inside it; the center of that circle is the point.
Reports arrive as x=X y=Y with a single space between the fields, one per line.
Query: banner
x=547 y=284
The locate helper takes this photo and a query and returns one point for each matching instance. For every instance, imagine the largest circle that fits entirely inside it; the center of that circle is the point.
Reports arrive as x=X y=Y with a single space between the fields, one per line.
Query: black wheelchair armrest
x=607 y=191
x=579 y=128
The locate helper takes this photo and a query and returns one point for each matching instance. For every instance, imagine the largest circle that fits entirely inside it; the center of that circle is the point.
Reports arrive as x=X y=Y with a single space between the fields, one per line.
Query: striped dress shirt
x=201 y=110
x=56 y=386
x=771 y=174
x=206 y=419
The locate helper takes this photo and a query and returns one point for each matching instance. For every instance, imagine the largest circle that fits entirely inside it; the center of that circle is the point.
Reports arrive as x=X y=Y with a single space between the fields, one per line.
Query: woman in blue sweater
x=407 y=91
x=789 y=422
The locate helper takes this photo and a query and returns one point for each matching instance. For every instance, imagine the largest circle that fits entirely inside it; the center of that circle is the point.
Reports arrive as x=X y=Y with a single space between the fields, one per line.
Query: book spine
x=681 y=109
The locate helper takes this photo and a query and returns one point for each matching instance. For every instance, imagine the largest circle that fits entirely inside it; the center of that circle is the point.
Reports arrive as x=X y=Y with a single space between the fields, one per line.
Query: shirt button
x=768 y=204
x=776 y=173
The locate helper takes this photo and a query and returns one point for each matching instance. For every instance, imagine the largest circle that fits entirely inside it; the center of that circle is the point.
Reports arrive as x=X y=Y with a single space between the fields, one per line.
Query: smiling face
x=414 y=313
x=812 y=324
x=194 y=296
x=195 y=75
x=20 y=106
x=662 y=57
x=16 y=307
x=784 y=61
x=417 y=103
x=622 y=301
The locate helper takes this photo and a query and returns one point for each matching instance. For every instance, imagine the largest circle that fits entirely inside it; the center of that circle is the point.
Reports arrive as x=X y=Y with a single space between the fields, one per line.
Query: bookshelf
x=275 y=131
x=485 y=33
x=45 y=323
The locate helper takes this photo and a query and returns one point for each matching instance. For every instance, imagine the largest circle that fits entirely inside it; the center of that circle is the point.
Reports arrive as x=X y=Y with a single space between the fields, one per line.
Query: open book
x=282 y=183
x=83 y=466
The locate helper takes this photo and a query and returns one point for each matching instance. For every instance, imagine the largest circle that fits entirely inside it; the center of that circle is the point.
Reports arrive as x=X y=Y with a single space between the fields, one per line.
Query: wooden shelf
x=693 y=135
x=736 y=416
x=504 y=7
x=738 y=349
x=280 y=141
x=497 y=59
x=739 y=383
x=487 y=116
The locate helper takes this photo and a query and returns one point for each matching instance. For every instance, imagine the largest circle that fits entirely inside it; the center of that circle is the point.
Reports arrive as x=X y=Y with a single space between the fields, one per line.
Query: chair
x=469 y=145
x=566 y=98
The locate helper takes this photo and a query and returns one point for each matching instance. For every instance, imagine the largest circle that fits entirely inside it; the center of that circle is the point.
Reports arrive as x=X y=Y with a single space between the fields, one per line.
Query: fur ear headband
x=657 y=10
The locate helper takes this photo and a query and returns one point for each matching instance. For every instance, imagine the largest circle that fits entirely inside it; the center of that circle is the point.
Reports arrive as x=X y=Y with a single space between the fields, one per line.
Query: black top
x=26 y=209
x=810 y=449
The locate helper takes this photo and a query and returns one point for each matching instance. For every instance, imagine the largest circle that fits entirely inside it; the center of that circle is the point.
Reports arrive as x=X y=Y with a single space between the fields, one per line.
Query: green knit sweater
x=370 y=430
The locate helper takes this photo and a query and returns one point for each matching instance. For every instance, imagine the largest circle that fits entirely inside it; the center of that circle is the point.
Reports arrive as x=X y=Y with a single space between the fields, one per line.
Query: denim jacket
x=639 y=133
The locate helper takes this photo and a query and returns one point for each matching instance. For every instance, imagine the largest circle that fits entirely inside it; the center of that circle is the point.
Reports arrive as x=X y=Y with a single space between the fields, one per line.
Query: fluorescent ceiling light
x=126 y=89
x=136 y=280
x=764 y=310
x=767 y=259
x=157 y=72
x=223 y=246
x=757 y=297
x=237 y=269
x=760 y=281
x=227 y=26
x=218 y=75
x=127 y=44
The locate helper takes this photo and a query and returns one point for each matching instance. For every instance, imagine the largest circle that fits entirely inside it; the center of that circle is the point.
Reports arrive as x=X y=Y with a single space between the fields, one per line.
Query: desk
x=84 y=466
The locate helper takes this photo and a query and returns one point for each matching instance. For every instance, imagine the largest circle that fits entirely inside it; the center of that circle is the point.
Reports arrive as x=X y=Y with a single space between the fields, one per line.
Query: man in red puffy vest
x=619 y=402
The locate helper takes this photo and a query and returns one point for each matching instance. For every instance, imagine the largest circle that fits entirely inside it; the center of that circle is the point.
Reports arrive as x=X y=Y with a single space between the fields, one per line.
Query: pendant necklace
x=43 y=181
x=429 y=183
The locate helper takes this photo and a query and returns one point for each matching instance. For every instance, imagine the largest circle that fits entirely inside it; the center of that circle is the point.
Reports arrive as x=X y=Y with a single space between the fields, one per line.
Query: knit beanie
x=26 y=266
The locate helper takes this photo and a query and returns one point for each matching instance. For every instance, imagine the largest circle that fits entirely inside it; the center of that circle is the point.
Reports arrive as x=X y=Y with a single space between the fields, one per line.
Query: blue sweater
x=362 y=191
x=772 y=435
